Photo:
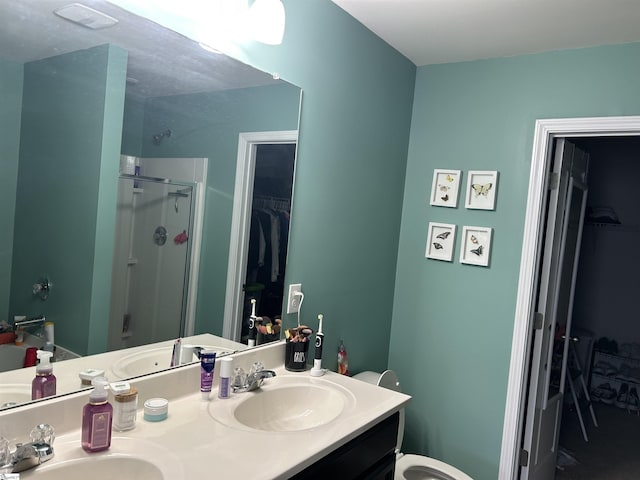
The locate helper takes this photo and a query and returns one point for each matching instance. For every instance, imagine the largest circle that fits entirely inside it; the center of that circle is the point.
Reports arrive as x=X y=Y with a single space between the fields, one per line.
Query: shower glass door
x=151 y=261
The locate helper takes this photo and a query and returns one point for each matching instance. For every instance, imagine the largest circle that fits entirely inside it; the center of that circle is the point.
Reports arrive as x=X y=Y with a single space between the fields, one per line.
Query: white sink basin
x=127 y=458
x=14 y=393
x=284 y=404
x=11 y=357
x=151 y=360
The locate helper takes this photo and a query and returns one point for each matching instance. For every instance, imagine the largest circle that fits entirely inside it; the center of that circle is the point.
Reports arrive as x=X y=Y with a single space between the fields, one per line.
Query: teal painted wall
x=453 y=323
x=133 y=124
x=207 y=125
x=356 y=113
x=11 y=88
x=67 y=181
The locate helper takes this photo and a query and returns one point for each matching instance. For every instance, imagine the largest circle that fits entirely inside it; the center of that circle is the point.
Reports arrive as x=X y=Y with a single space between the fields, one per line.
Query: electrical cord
x=301 y=295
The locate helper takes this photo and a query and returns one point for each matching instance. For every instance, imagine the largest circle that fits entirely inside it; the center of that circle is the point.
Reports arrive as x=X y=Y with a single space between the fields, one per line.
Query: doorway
x=513 y=455
x=604 y=318
x=278 y=147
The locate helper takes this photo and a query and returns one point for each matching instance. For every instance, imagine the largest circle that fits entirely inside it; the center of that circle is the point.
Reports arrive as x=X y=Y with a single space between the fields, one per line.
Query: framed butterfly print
x=445 y=187
x=481 y=190
x=440 y=241
x=476 y=245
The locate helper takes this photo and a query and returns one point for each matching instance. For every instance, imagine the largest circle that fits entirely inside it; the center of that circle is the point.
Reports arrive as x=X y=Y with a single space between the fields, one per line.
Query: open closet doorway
x=259 y=231
x=525 y=425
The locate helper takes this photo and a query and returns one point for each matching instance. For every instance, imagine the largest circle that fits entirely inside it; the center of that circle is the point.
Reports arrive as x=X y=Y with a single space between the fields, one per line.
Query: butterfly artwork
x=449 y=178
x=476 y=245
x=440 y=240
x=444 y=188
x=445 y=197
x=481 y=189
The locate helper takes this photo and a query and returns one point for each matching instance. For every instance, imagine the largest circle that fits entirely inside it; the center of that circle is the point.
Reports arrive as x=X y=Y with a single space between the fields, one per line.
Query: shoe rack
x=621 y=373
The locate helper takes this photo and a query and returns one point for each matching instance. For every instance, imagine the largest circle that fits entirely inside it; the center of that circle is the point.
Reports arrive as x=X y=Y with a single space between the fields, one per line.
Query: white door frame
x=545 y=132
x=241 y=223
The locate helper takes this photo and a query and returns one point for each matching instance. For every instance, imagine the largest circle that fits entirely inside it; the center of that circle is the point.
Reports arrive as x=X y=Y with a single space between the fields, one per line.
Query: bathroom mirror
x=135 y=89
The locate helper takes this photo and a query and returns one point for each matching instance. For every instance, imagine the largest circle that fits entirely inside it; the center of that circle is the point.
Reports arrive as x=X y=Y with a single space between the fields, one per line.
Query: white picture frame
x=475 y=247
x=441 y=239
x=445 y=188
x=482 y=186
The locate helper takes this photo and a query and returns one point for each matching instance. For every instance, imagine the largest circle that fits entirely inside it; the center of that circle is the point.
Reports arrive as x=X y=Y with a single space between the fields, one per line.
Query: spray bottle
x=343 y=363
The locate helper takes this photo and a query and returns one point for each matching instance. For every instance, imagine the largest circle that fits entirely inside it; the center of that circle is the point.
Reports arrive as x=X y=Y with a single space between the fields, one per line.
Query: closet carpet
x=613 y=450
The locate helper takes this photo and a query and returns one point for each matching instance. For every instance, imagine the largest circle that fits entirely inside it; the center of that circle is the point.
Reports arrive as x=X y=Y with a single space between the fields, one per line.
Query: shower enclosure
x=152 y=258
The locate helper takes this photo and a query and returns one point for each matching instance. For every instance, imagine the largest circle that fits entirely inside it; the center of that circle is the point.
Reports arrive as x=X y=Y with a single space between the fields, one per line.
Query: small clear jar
x=125 y=409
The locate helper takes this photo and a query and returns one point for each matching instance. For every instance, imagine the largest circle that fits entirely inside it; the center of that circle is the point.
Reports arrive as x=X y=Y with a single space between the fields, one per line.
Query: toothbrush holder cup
x=296 y=354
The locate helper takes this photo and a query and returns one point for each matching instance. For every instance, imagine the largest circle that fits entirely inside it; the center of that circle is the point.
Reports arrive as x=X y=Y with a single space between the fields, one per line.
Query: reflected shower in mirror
x=85 y=106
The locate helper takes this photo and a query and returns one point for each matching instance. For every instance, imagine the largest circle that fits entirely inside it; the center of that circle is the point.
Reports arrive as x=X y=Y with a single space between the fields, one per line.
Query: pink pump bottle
x=97 y=418
x=44 y=383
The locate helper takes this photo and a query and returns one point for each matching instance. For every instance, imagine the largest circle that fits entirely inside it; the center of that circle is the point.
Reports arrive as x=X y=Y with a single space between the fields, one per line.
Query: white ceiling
x=443 y=31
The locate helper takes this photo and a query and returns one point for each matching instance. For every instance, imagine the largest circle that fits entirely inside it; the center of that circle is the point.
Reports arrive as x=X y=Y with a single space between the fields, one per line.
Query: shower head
x=157 y=138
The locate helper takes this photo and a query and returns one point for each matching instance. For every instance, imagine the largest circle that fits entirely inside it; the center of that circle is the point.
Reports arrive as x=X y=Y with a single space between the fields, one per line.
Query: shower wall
x=149 y=301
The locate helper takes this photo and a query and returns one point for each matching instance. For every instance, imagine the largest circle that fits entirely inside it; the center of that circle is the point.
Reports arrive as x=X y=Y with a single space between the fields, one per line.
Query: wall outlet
x=293 y=302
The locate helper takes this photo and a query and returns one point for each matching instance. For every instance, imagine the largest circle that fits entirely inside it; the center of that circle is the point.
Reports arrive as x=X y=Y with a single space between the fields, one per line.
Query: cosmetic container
x=207 y=364
x=87 y=376
x=97 y=418
x=125 y=406
x=44 y=383
x=156 y=409
x=226 y=370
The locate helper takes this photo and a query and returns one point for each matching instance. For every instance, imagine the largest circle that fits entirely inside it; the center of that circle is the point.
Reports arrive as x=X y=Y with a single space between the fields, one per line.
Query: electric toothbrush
x=317 y=370
x=251 y=342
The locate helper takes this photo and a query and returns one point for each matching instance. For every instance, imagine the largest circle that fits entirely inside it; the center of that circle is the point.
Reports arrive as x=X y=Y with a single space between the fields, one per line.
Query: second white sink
x=150 y=360
x=284 y=404
x=127 y=458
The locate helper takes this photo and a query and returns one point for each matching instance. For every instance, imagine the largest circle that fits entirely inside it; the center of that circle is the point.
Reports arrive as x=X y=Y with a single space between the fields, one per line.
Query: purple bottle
x=97 y=418
x=44 y=383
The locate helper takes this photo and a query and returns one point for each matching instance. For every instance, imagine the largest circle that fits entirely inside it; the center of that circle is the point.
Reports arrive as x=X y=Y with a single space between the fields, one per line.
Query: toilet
x=411 y=467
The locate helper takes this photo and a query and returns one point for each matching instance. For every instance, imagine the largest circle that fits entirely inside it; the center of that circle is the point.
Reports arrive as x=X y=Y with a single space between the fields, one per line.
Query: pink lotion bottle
x=44 y=383
x=97 y=418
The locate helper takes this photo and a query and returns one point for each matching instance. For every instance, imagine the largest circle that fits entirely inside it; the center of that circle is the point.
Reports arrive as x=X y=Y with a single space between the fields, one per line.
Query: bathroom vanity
x=294 y=426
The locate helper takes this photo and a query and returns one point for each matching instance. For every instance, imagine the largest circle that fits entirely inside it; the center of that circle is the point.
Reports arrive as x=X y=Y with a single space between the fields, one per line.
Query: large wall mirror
x=119 y=143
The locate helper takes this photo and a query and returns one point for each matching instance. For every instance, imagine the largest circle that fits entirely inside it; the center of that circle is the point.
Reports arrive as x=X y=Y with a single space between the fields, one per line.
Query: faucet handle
x=256 y=367
x=5 y=453
x=43 y=433
x=239 y=379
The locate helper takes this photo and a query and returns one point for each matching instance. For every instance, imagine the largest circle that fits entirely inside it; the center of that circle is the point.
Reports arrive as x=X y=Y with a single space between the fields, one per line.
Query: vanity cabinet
x=371 y=455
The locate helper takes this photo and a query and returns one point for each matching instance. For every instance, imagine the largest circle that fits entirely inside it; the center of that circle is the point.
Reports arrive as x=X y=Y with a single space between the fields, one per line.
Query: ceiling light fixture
x=85 y=16
x=266 y=21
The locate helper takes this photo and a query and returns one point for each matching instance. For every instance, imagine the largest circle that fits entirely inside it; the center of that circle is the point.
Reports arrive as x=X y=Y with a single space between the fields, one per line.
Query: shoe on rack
x=623 y=396
x=604 y=393
x=633 y=402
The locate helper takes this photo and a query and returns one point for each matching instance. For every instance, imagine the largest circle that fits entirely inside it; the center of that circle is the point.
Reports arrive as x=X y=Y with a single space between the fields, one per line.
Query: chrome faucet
x=29 y=455
x=242 y=382
x=29 y=322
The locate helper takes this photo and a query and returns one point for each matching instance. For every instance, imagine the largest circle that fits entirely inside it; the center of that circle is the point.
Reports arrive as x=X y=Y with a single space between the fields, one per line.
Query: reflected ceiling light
x=266 y=21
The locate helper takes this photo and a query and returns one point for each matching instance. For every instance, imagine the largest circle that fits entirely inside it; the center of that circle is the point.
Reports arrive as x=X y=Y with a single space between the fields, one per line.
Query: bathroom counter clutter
x=287 y=428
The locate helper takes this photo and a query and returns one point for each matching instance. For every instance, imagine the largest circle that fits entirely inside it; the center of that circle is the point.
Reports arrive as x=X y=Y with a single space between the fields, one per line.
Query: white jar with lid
x=125 y=407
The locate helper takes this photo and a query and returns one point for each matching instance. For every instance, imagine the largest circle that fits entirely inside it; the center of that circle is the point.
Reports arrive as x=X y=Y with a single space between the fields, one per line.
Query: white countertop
x=191 y=442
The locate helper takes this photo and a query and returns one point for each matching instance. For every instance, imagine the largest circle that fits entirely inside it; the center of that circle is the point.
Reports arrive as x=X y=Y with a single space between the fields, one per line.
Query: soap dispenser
x=44 y=383
x=97 y=418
